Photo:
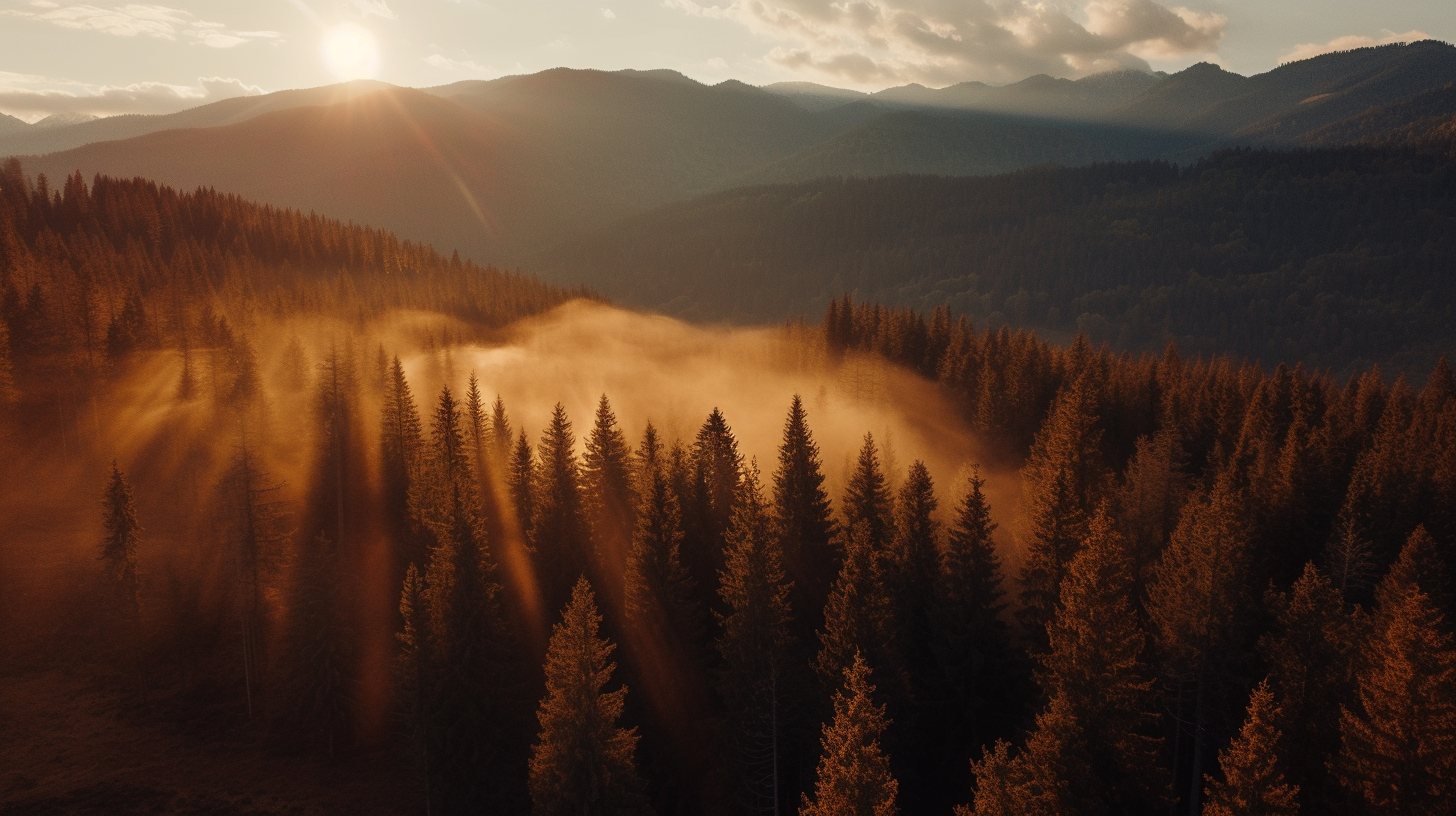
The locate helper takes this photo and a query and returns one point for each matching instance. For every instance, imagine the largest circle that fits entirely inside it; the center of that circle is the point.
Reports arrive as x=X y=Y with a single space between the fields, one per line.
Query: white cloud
x=33 y=97
x=938 y=42
x=1306 y=50
x=466 y=66
x=374 y=8
x=609 y=14
x=136 y=19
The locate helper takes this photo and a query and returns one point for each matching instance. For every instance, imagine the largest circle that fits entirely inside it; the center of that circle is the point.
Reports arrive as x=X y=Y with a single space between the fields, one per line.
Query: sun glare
x=351 y=52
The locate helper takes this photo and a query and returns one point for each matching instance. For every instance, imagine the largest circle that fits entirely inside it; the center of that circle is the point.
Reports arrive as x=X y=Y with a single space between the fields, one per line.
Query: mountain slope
x=9 y=125
x=1337 y=258
x=964 y=144
x=215 y=114
x=490 y=168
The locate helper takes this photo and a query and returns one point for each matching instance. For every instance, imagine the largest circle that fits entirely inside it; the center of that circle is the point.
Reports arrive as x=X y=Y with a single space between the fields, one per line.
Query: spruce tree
x=1311 y=655
x=414 y=680
x=1199 y=602
x=1058 y=482
x=757 y=677
x=8 y=393
x=1398 y=752
x=660 y=594
x=317 y=652
x=716 y=472
x=1253 y=780
x=521 y=481
x=610 y=499
x=867 y=498
x=854 y=776
x=559 y=529
x=858 y=616
x=1096 y=665
x=401 y=449
x=582 y=763
x=121 y=585
x=977 y=677
x=500 y=432
x=1048 y=777
x=806 y=525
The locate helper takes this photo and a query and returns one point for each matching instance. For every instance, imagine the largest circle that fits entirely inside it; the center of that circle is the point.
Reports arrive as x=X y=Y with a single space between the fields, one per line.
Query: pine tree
x=8 y=393
x=500 y=432
x=1058 y=482
x=1199 y=603
x=582 y=763
x=121 y=584
x=559 y=529
x=1095 y=664
x=401 y=448
x=756 y=647
x=977 y=676
x=854 y=776
x=256 y=539
x=1398 y=750
x=1048 y=777
x=867 y=498
x=914 y=567
x=1311 y=656
x=858 y=616
x=521 y=481
x=716 y=472
x=414 y=680
x=805 y=522
x=660 y=594
x=1253 y=780
x=1153 y=490
x=610 y=499
x=317 y=652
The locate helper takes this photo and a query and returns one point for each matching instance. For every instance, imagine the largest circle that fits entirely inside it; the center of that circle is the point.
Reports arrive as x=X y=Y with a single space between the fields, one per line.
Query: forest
x=1336 y=257
x=263 y=500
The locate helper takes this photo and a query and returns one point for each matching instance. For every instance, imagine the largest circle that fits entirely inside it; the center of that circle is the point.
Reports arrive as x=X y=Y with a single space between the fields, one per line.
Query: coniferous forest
x=276 y=541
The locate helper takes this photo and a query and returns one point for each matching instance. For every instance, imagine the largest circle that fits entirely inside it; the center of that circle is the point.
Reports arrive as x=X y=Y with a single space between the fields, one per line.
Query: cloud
x=134 y=20
x=374 y=8
x=34 y=97
x=467 y=66
x=1304 y=51
x=938 y=42
x=609 y=14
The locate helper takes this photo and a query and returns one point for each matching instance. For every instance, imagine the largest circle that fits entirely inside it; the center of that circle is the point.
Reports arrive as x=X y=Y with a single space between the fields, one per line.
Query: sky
x=108 y=58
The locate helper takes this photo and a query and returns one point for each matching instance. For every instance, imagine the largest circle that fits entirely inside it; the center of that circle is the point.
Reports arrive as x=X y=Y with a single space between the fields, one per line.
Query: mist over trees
x=1223 y=587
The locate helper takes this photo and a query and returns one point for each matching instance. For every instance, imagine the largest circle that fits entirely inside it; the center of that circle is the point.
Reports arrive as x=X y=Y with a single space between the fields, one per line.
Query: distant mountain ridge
x=505 y=170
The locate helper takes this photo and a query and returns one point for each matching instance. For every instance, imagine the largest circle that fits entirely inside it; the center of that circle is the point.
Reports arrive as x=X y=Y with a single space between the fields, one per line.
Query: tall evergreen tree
x=1311 y=655
x=659 y=593
x=121 y=583
x=401 y=448
x=716 y=471
x=610 y=500
x=1253 y=779
x=500 y=432
x=867 y=498
x=858 y=616
x=1096 y=664
x=317 y=652
x=1047 y=777
x=1058 y=483
x=1200 y=606
x=757 y=680
x=521 y=481
x=8 y=393
x=559 y=527
x=1398 y=752
x=854 y=773
x=582 y=763
x=806 y=525
x=977 y=678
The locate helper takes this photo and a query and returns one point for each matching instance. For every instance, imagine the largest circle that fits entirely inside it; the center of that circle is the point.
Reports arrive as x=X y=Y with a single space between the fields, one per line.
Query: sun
x=351 y=52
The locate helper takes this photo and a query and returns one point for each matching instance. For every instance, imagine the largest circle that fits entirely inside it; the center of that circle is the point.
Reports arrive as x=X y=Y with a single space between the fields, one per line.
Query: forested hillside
x=283 y=549
x=1334 y=258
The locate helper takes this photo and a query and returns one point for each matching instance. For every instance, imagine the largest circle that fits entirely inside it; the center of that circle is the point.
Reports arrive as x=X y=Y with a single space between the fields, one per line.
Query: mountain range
x=512 y=170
